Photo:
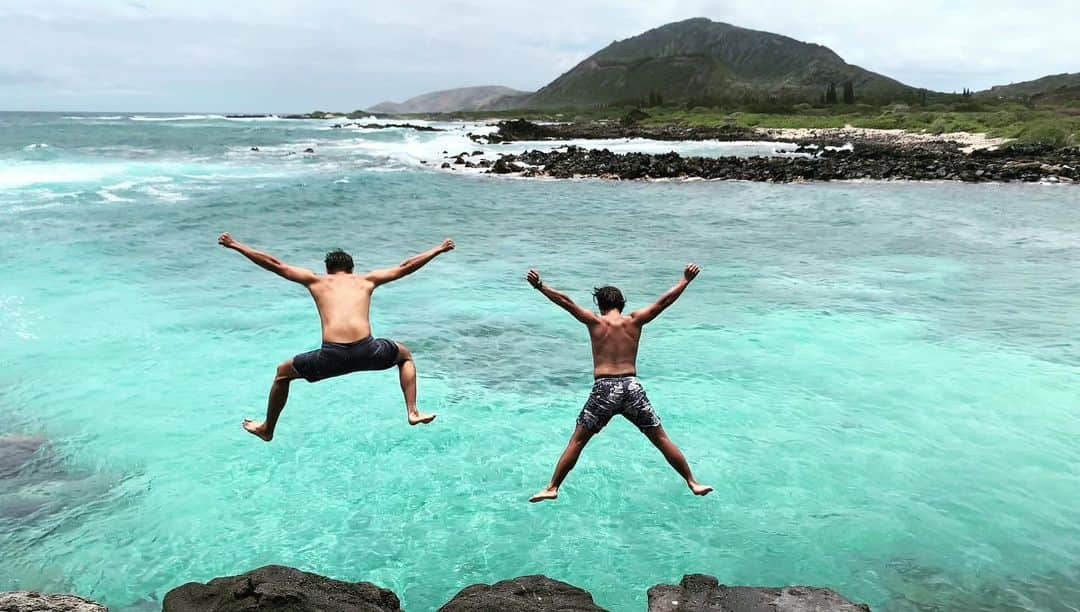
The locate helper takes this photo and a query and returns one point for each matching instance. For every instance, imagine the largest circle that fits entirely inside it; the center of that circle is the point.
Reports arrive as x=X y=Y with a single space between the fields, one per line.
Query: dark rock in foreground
x=700 y=593
x=524 y=594
x=275 y=587
x=29 y=601
x=279 y=588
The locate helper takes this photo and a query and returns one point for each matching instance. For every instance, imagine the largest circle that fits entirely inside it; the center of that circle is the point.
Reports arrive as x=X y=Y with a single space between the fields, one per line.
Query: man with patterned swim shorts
x=616 y=389
x=343 y=300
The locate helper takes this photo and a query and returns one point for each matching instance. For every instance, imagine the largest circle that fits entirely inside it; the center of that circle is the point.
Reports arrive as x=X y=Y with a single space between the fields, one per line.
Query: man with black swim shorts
x=343 y=300
x=616 y=390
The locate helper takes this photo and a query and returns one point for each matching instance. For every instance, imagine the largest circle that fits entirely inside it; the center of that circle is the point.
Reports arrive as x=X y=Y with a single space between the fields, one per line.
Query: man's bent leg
x=279 y=394
x=674 y=456
x=578 y=440
x=407 y=375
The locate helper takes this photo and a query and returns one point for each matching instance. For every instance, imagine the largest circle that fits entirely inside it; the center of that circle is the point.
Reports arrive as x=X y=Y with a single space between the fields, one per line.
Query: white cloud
x=280 y=55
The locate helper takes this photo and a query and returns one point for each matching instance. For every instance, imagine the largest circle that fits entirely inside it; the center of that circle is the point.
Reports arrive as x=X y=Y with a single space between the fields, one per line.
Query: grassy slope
x=1057 y=124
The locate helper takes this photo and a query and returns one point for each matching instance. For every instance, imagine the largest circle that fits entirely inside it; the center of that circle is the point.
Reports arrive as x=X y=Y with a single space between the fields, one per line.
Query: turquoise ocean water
x=882 y=381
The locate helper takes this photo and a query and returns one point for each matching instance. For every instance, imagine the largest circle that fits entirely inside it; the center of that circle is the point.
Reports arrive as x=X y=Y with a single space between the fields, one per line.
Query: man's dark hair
x=338 y=261
x=608 y=297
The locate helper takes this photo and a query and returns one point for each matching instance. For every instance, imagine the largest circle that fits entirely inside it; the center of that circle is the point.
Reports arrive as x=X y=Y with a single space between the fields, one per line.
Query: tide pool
x=881 y=380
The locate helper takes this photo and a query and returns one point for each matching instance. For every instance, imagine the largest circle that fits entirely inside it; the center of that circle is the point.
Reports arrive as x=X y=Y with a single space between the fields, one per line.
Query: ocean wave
x=176 y=118
x=18 y=208
x=108 y=196
x=39 y=173
x=36 y=145
x=93 y=117
x=267 y=118
x=164 y=194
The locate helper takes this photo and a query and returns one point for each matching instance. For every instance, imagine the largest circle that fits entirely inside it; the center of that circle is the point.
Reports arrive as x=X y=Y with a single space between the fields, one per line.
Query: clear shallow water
x=881 y=380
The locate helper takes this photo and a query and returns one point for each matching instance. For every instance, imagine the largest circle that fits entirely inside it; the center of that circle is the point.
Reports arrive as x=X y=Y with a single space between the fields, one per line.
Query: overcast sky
x=293 y=55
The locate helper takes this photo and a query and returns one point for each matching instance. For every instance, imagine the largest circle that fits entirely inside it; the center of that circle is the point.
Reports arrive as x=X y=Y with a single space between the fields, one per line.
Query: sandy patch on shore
x=968 y=141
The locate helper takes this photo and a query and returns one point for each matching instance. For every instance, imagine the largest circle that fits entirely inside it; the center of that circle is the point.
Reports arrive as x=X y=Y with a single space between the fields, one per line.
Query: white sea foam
x=267 y=118
x=176 y=118
x=36 y=145
x=108 y=196
x=166 y=194
x=31 y=207
x=23 y=174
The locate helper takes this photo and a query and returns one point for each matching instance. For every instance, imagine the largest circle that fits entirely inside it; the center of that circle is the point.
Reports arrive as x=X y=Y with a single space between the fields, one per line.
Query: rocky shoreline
x=521 y=129
x=285 y=589
x=830 y=155
x=517 y=130
x=864 y=162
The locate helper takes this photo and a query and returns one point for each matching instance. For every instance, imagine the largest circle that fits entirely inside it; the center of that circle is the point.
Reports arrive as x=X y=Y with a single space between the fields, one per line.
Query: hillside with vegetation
x=1069 y=81
x=706 y=62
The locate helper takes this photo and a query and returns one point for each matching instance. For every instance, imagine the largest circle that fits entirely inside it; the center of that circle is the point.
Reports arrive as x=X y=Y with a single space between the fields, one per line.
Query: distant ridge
x=1051 y=88
x=449 y=100
x=699 y=59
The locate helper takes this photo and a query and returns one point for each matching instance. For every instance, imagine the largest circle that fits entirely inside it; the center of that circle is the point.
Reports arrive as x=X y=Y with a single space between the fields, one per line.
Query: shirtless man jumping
x=343 y=300
x=616 y=389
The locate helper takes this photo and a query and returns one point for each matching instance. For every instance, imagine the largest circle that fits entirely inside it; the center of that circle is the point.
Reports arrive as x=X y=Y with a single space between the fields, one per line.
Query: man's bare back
x=615 y=339
x=344 y=305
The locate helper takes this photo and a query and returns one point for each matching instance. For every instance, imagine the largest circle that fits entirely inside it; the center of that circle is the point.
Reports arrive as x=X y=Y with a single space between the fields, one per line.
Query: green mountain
x=1054 y=88
x=699 y=59
x=449 y=100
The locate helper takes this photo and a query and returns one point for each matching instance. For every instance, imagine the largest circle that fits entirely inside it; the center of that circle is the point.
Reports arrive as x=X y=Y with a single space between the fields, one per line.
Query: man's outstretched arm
x=641 y=316
x=269 y=262
x=561 y=300
x=410 y=265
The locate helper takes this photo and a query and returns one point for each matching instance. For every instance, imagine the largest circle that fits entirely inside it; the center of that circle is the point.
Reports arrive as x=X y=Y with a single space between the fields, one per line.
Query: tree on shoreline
x=849 y=93
x=830 y=94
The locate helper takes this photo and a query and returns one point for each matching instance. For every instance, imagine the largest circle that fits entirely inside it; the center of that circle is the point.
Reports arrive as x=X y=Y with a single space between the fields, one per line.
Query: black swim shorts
x=613 y=395
x=337 y=358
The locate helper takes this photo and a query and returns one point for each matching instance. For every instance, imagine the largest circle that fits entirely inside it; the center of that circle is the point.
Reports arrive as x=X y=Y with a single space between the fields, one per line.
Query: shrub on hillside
x=1045 y=134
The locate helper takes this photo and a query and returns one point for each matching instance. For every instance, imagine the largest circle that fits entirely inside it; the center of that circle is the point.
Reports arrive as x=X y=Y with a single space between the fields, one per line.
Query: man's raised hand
x=447 y=245
x=534 y=278
x=226 y=240
x=691 y=271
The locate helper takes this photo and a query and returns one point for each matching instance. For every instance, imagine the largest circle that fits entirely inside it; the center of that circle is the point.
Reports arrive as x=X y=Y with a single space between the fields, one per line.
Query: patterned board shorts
x=617 y=395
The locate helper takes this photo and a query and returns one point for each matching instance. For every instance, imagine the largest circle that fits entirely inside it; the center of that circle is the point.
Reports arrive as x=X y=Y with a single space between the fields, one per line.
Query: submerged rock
x=276 y=587
x=16 y=451
x=523 y=594
x=30 y=601
x=701 y=593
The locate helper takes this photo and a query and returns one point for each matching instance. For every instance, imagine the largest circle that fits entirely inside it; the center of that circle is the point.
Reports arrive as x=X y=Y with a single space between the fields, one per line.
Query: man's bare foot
x=545 y=494
x=421 y=418
x=700 y=489
x=257 y=429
